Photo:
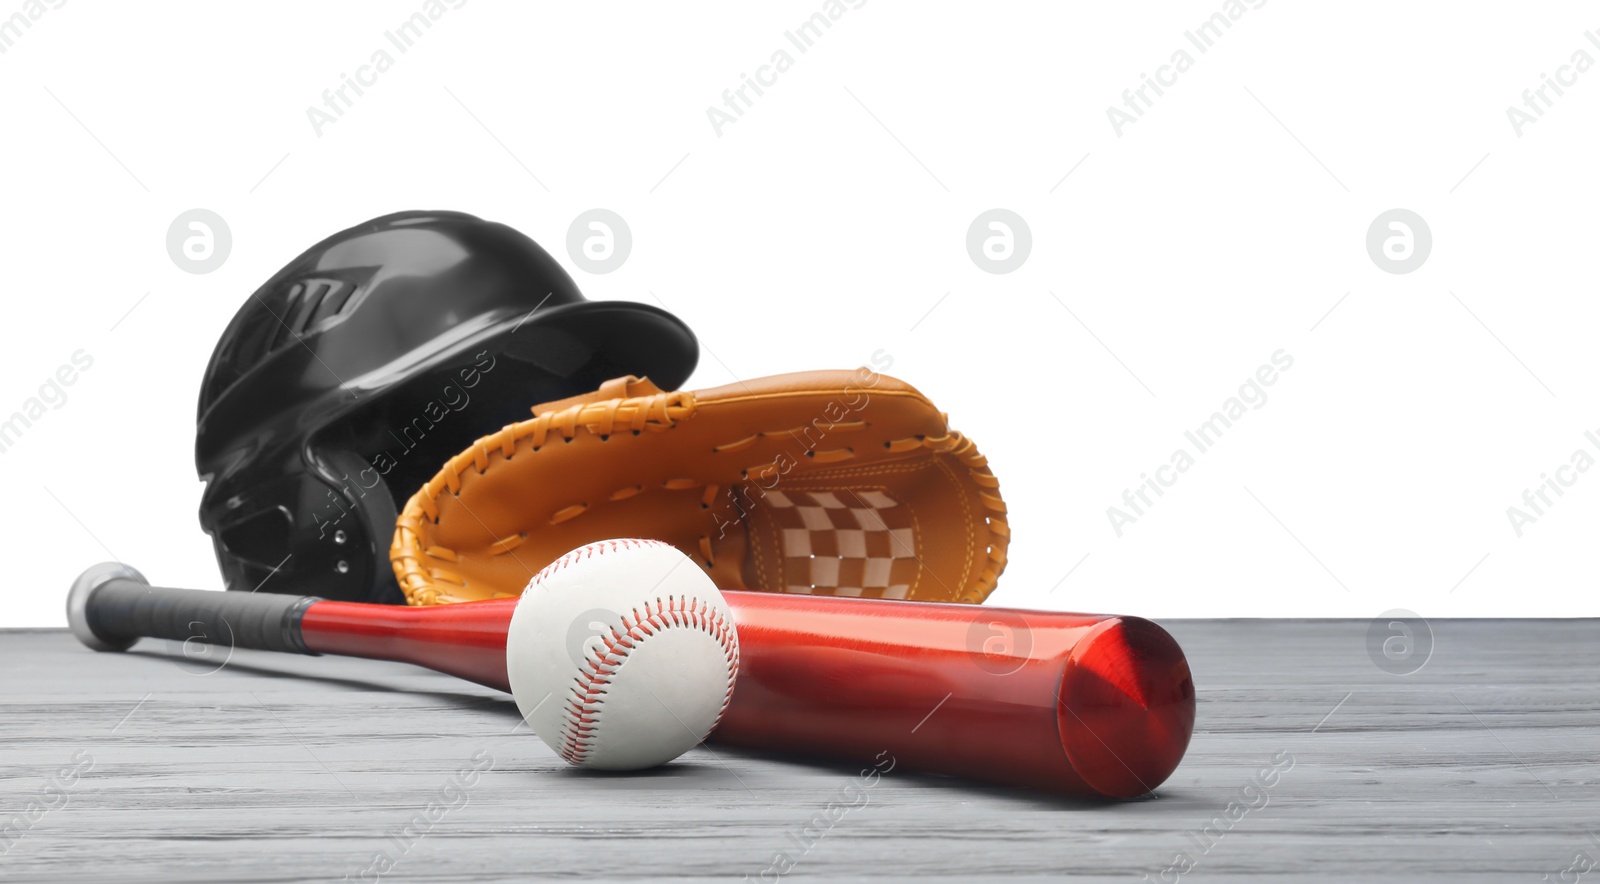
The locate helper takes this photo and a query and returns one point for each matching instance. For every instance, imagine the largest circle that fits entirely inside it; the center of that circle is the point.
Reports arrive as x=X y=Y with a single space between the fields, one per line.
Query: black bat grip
x=111 y=606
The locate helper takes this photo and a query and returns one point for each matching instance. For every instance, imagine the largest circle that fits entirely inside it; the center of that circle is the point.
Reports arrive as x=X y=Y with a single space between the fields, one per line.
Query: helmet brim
x=600 y=340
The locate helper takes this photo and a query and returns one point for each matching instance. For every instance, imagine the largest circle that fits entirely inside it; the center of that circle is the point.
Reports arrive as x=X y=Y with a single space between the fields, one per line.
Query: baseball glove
x=827 y=482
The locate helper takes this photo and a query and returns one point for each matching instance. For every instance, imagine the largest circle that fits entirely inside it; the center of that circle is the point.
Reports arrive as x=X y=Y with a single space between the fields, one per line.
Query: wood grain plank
x=1480 y=766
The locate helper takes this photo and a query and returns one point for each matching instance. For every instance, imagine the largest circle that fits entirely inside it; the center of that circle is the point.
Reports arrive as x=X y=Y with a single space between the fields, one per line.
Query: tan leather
x=825 y=482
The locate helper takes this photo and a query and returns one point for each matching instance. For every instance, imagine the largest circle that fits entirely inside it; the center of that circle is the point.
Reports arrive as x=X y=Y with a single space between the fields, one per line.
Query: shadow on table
x=462 y=699
x=850 y=772
x=715 y=772
x=685 y=770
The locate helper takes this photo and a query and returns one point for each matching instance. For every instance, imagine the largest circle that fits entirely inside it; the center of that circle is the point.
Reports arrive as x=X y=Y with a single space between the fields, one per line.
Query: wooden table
x=142 y=766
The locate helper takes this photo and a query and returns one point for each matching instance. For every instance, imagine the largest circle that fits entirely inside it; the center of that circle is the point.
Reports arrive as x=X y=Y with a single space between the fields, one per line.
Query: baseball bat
x=1076 y=704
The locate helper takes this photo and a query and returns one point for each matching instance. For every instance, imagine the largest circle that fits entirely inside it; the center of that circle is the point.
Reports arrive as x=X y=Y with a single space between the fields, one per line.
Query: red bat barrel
x=1067 y=702
x=1072 y=703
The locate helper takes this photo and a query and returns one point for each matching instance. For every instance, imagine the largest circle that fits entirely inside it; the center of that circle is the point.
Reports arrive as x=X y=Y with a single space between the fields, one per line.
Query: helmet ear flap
x=353 y=541
x=337 y=548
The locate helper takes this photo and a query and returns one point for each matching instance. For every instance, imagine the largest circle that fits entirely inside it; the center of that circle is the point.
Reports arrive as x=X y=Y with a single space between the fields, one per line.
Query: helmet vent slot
x=308 y=302
x=262 y=538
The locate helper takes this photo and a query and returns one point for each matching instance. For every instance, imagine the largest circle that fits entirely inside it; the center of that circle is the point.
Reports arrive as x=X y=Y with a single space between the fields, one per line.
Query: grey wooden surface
x=1480 y=766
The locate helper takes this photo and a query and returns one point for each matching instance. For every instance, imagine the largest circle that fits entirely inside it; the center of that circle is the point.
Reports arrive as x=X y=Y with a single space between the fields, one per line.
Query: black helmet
x=353 y=374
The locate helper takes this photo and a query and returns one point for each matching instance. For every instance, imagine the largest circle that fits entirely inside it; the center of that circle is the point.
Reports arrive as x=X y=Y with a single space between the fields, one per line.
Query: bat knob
x=78 y=598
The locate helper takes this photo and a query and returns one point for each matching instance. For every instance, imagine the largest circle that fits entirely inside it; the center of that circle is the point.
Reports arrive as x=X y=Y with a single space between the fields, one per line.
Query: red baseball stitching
x=582 y=716
x=590 y=550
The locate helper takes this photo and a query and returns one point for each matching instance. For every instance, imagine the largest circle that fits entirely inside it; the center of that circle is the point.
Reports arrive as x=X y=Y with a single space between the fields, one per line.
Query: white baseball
x=622 y=654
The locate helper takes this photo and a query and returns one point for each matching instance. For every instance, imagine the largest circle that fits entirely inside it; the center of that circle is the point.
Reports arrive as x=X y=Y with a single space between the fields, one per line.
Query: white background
x=830 y=222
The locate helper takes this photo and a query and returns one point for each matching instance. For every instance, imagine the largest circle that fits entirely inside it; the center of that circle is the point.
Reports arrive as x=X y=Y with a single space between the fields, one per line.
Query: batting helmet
x=342 y=384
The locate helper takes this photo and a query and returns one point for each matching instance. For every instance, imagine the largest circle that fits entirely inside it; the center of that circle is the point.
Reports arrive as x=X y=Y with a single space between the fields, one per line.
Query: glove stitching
x=966 y=519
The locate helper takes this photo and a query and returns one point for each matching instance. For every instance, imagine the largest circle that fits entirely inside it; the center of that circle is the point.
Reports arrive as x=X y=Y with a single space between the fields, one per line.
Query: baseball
x=622 y=655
